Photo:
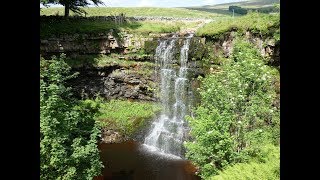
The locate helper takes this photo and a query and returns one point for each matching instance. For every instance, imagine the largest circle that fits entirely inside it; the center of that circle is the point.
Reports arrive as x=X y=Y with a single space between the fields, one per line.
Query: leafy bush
x=212 y=148
x=236 y=106
x=212 y=58
x=68 y=131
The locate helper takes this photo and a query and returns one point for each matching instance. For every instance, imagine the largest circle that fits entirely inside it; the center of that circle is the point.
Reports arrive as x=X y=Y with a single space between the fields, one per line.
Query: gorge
x=174 y=104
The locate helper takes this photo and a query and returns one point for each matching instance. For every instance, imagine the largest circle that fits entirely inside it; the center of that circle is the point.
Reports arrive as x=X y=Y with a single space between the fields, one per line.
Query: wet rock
x=111 y=136
x=108 y=133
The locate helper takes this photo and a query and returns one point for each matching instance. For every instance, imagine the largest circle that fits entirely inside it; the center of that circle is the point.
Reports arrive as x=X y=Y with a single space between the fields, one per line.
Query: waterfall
x=167 y=133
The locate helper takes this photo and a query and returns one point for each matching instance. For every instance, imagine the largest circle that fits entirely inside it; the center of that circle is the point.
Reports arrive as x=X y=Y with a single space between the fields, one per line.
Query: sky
x=160 y=3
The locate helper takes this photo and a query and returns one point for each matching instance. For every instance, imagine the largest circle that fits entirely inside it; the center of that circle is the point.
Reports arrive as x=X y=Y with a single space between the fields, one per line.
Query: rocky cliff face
x=135 y=80
x=115 y=82
x=138 y=81
x=103 y=43
x=267 y=46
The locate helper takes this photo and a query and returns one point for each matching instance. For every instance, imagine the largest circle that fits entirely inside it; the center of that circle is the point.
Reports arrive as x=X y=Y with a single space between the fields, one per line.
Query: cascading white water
x=168 y=130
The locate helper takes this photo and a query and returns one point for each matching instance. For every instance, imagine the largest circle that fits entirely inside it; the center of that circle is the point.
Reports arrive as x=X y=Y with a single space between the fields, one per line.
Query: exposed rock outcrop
x=267 y=46
x=102 y=43
x=136 y=81
x=111 y=136
x=114 y=82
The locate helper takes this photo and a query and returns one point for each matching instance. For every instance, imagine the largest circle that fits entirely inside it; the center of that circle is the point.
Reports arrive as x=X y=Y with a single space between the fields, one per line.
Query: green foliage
x=73 y=5
x=44 y=2
x=212 y=148
x=126 y=116
x=212 y=57
x=277 y=6
x=254 y=22
x=238 y=9
x=268 y=9
x=68 y=131
x=276 y=35
x=236 y=112
x=138 y=11
x=255 y=170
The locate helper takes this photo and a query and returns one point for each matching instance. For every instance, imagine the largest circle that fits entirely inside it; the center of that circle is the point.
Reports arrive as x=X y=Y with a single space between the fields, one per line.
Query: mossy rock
x=150 y=46
x=196 y=49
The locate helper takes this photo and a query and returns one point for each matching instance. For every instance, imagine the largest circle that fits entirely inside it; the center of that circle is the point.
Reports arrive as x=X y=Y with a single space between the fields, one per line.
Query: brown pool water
x=133 y=161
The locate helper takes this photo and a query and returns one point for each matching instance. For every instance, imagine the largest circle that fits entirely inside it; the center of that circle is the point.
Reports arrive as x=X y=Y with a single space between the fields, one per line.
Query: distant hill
x=245 y=4
x=224 y=8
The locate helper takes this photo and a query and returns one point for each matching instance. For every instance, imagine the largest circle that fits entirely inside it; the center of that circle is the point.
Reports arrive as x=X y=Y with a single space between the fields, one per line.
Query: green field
x=62 y=26
x=143 y=11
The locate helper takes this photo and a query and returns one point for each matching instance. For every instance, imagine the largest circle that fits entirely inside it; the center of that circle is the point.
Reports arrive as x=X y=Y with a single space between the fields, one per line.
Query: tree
x=68 y=131
x=238 y=9
x=73 y=5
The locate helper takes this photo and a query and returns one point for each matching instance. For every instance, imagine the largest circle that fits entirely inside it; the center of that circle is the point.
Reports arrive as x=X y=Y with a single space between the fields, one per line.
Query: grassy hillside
x=143 y=11
x=256 y=22
x=60 y=26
